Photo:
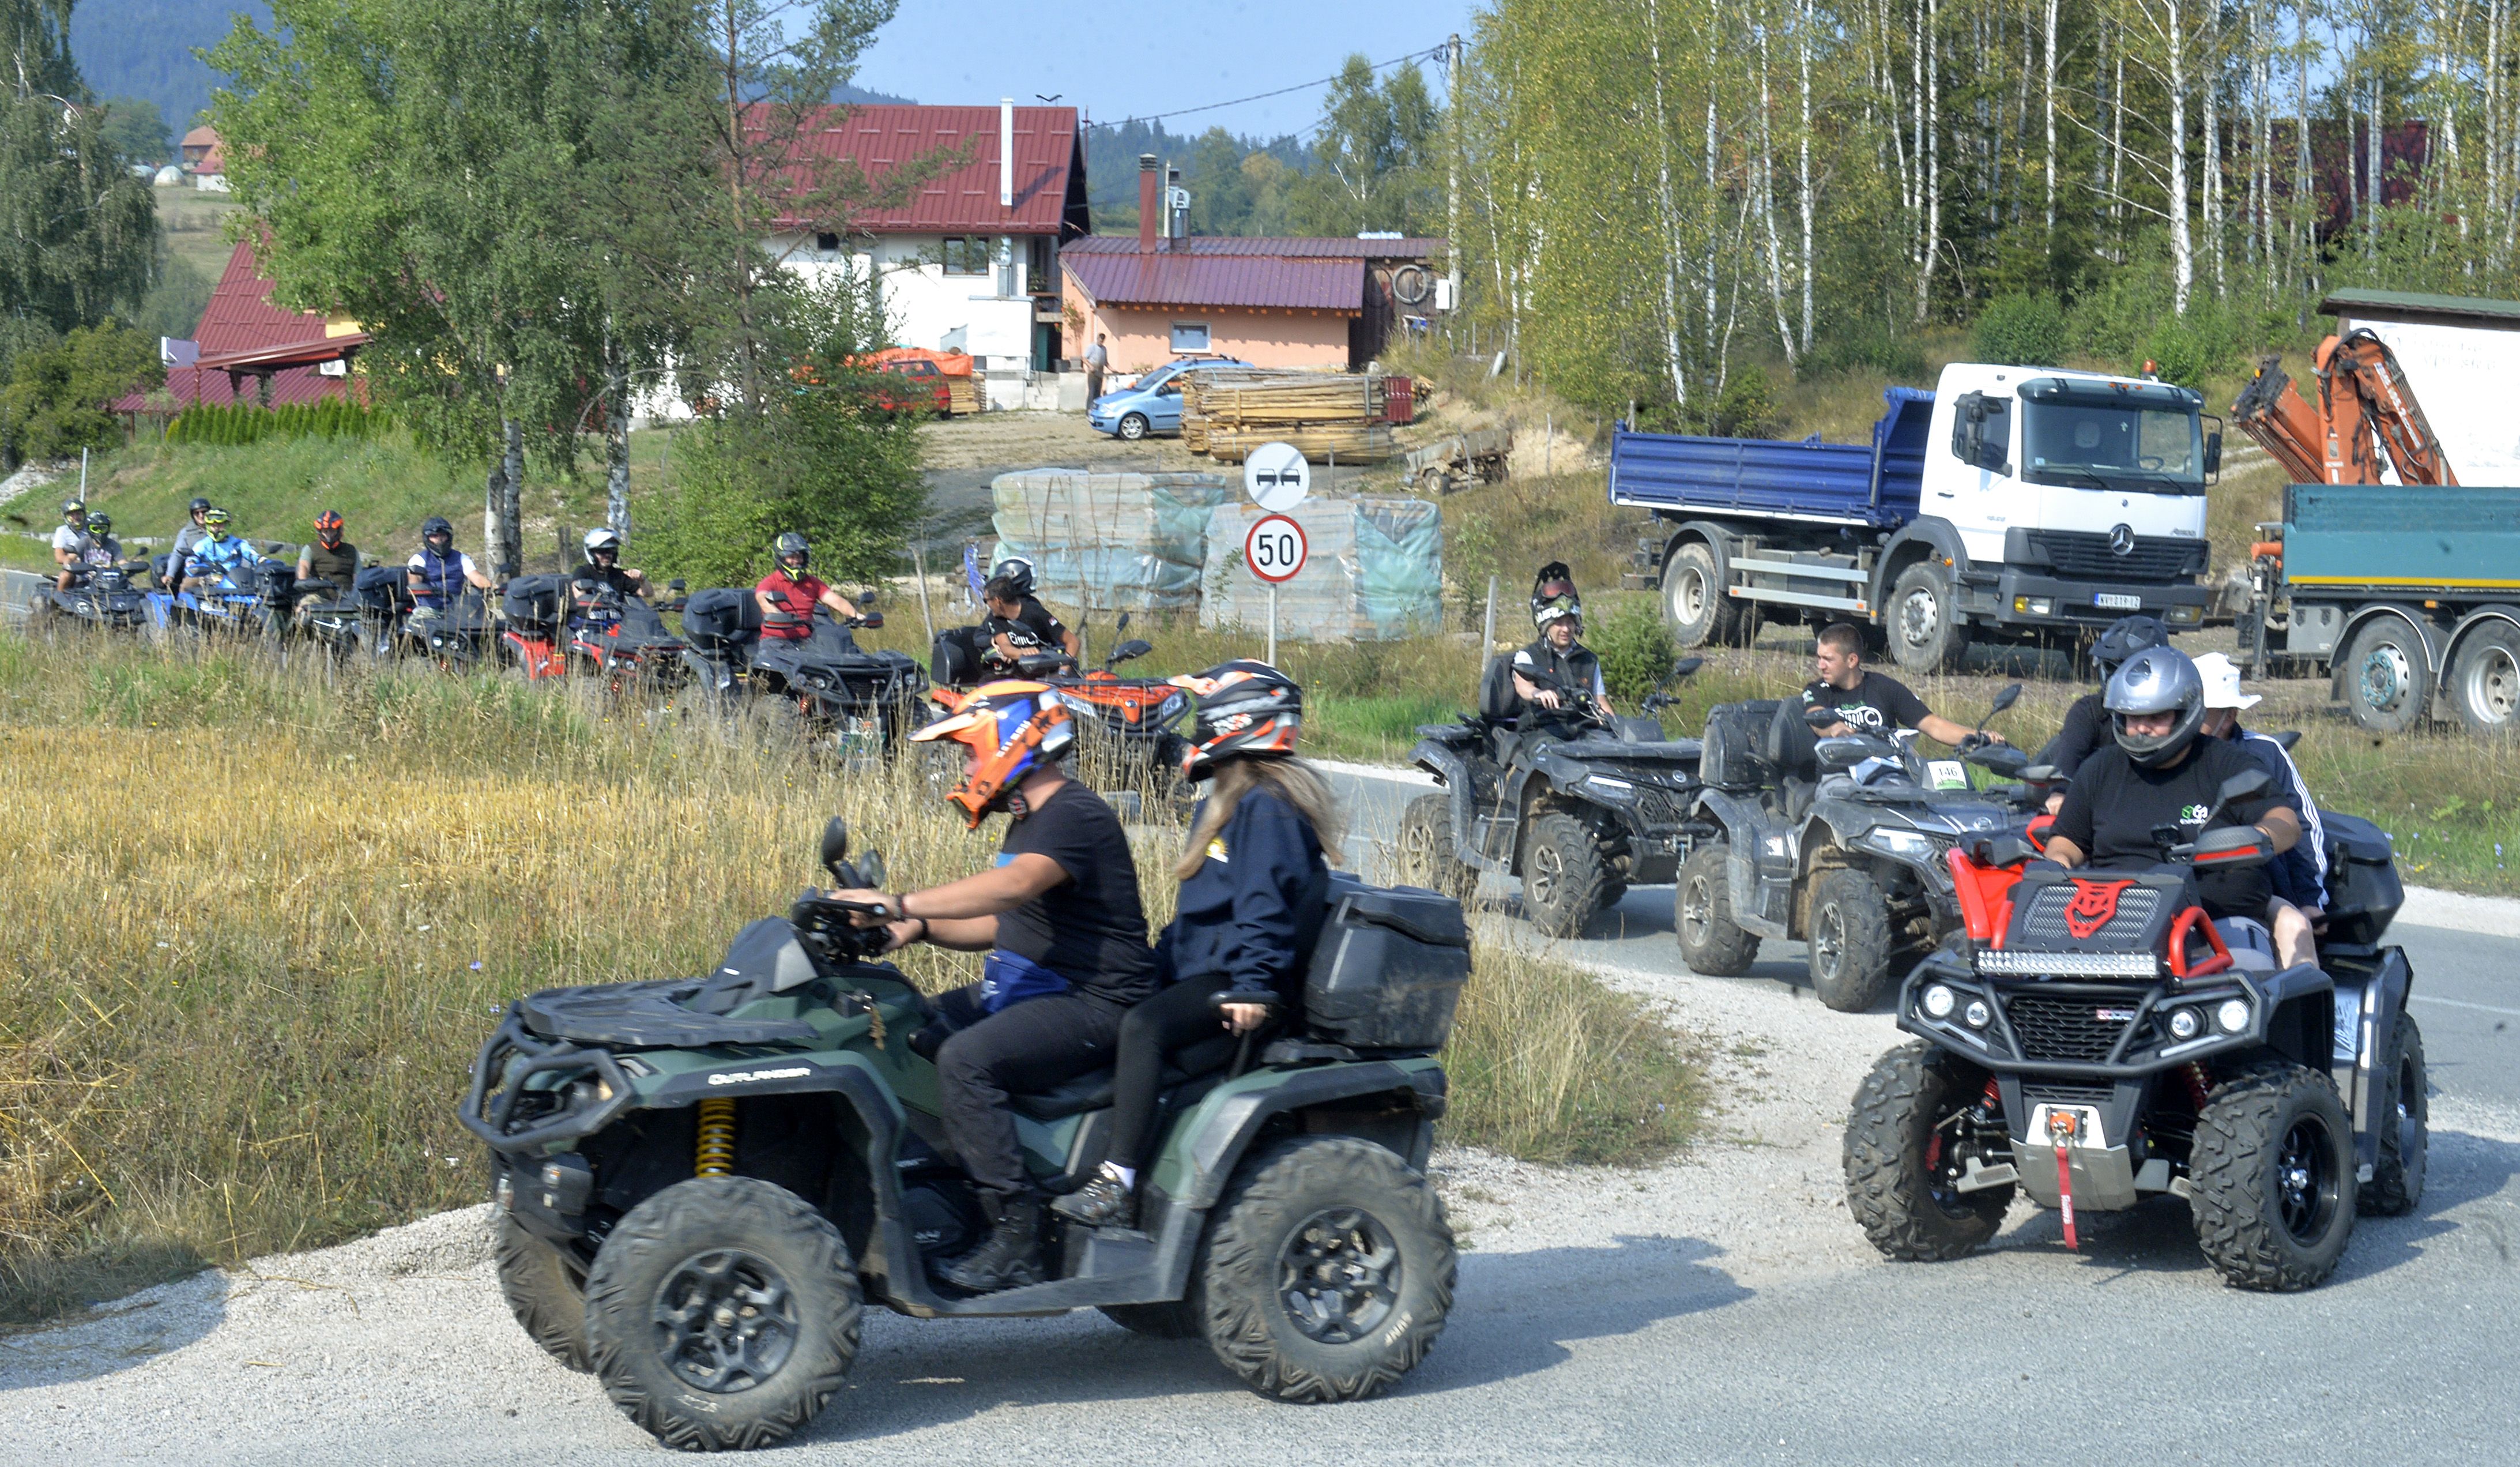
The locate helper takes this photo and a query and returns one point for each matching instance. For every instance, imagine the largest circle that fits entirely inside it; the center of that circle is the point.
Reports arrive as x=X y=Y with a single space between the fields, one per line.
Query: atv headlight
x=2233 y=1015
x=1081 y=707
x=1939 y=1001
x=1609 y=788
x=1171 y=708
x=1907 y=844
x=2184 y=1023
x=1977 y=1014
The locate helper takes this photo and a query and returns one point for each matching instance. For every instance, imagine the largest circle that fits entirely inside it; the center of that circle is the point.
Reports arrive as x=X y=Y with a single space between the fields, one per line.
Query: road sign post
x=1274 y=550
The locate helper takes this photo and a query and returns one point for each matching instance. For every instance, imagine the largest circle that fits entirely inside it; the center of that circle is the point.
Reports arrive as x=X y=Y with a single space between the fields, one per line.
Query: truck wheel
x=1849 y=941
x=1327 y=1272
x=1133 y=426
x=1711 y=942
x=1564 y=875
x=2485 y=681
x=545 y=1290
x=1155 y=1321
x=2404 y=1126
x=2388 y=684
x=1693 y=599
x=722 y=1312
x=1898 y=1180
x=1923 y=620
x=2273 y=1168
x=1428 y=857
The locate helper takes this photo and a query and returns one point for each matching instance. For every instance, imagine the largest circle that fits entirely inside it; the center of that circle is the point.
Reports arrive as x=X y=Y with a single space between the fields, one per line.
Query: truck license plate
x=2116 y=603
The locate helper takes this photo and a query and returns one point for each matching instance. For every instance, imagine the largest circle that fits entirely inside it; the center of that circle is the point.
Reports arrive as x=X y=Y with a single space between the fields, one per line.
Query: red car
x=923 y=392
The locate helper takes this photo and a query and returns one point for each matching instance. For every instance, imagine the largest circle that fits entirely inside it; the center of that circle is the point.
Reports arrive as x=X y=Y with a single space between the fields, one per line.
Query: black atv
x=699 y=1180
x=1839 y=842
x=102 y=596
x=857 y=704
x=357 y=625
x=1580 y=813
x=2097 y=1041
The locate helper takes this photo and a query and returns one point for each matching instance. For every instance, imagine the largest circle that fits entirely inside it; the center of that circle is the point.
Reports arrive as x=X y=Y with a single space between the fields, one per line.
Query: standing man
x=1096 y=358
x=1868 y=703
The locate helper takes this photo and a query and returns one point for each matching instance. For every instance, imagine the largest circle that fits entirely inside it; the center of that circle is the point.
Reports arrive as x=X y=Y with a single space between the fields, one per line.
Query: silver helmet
x=2156 y=680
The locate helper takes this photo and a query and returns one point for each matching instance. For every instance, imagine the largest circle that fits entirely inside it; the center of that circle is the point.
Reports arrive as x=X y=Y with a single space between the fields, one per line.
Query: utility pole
x=1452 y=185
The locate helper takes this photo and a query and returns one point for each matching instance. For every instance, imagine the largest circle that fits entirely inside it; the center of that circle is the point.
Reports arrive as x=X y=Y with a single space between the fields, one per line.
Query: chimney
x=1176 y=211
x=1006 y=152
x=1149 y=207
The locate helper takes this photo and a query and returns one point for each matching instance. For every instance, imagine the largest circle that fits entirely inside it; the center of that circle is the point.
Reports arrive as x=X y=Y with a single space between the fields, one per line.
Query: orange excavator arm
x=2362 y=398
x=2274 y=417
x=2390 y=406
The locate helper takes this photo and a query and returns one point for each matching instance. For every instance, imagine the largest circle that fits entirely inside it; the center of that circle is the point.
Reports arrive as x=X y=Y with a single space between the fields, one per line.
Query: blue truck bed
x=1875 y=486
x=2345 y=537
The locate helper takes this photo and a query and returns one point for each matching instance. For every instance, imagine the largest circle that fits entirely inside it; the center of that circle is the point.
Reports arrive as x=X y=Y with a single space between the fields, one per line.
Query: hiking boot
x=1104 y=1202
x=1009 y=1258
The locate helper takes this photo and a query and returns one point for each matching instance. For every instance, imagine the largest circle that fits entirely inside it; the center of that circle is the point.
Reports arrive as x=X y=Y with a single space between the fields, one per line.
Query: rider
x=1559 y=658
x=2162 y=774
x=216 y=554
x=791 y=588
x=1059 y=917
x=102 y=549
x=604 y=565
x=438 y=572
x=70 y=543
x=1253 y=881
x=329 y=558
x=2087 y=724
x=1868 y=703
x=2299 y=876
x=1018 y=624
x=186 y=538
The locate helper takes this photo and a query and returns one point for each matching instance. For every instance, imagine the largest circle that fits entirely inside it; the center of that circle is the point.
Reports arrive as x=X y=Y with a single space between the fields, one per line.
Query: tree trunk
x=2048 y=104
x=1933 y=141
x=2300 y=229
x=1803 y=39
x=2183 y=246
x=1767 y=194
x=1672 y=352
x=2211 y=75
x=617 y=443
x=509 y=552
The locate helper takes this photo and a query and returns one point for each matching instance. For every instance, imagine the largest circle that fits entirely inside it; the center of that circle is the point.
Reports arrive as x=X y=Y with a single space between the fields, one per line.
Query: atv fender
x=2300 y=1021
x=2366 y=1011
x=1453 y=772
x=1743 y=824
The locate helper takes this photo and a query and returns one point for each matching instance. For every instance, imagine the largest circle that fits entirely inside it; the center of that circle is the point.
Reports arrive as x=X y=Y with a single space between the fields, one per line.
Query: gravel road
x=1718 y=1309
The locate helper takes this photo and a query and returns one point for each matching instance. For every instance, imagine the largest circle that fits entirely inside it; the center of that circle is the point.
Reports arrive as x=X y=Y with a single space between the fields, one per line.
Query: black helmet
x=1552 y=582
x=1017 y=572
x=435 y=525
x=198 y=506
x=792 y=543
x=2127 y=637
x=71 y=507
x=100 y=523
x=2156 y=680
x=1245 y=709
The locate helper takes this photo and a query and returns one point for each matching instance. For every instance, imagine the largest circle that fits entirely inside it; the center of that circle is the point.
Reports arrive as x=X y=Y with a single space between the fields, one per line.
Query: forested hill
x=144 y=48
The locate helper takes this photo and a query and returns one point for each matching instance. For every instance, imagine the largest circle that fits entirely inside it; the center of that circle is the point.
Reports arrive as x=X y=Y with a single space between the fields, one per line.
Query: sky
x=1131 y=57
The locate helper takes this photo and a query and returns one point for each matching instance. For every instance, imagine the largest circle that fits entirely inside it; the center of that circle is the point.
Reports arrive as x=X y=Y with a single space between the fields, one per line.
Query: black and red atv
x=622 y=640
x=2094 y=1041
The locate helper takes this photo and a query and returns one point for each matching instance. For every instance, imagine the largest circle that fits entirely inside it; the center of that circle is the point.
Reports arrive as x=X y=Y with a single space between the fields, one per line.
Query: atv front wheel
x=1711 y=942
x=546 y=1292
x=722 y=1312
x=2273 y=1168
x=1901 y=1169
x=1327 y=1272
x=2404 y=1123
x=1848 y=940
x=1427 y=857
x=1564 y=875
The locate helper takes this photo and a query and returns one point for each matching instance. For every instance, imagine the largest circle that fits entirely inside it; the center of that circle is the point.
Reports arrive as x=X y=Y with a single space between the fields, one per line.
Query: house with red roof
x=248 y=349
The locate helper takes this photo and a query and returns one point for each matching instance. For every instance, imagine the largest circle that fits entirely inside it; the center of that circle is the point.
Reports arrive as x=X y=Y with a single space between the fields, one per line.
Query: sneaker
x=1104 y=1202
x=1009 y=1258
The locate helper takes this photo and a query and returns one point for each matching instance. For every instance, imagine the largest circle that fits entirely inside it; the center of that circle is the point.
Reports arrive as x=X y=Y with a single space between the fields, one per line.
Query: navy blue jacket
x=2299 y=875
x=1243 y=913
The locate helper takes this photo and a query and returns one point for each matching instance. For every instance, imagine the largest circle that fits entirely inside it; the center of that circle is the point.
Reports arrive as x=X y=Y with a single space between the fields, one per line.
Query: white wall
x=2462 y=377
x=924 y=305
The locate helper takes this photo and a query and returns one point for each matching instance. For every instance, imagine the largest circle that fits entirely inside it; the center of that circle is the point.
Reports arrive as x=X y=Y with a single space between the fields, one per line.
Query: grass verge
x=265 y=919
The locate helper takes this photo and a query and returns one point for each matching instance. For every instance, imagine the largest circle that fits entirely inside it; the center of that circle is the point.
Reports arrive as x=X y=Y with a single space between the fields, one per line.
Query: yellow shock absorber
x=717 y=1138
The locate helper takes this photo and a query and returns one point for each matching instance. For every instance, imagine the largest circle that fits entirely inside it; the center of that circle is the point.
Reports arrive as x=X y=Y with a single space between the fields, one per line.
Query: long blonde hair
x=1291 y=780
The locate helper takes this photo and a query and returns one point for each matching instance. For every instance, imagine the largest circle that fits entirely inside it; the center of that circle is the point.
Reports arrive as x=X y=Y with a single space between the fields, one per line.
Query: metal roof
x=1282 y=247
x=2417 y=306
x=241 y=322
x=1050 y=166
x=1164 y=278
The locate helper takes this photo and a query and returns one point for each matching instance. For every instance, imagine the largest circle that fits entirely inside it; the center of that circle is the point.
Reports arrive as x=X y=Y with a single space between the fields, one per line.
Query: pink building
x=1324 y=304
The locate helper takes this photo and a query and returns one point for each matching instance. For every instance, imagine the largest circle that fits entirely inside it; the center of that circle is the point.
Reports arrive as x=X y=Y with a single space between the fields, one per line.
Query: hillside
x=144 y=48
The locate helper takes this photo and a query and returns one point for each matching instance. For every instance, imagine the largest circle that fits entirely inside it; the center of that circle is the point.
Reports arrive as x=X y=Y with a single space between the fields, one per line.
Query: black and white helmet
x=791 y=544
x=2156 y=680
x=1246 y=708
x=2127 y=637
x=601 y=538
x=1017 y=572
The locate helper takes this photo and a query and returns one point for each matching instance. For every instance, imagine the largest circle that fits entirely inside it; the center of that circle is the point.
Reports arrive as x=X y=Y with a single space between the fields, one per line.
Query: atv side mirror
x=871 y=870
x=835 y=845
x=1131 y=648
x=1685 y=668
x=2242 y=786
x=2286 y=739
x=2010 y=694
x=677 y=585
x=1122 y=625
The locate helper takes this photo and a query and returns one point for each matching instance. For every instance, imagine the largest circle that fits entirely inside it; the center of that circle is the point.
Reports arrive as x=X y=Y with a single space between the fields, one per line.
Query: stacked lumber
x=1228 y=413
x=963 y=394
x=1355 y=442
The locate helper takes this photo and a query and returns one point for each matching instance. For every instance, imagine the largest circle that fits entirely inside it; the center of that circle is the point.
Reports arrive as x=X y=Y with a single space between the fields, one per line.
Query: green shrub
x=2022 y=330
x=1869 y=347
x=1746 y=408
x=55 y=402
x=1634 y=647
x=234 y=425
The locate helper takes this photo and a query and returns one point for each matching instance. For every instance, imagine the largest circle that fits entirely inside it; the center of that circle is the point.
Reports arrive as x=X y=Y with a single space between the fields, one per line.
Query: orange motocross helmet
x=1012 y=728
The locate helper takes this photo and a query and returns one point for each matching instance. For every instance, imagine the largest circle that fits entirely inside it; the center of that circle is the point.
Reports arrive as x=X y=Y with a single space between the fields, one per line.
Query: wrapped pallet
x=1109 y=542
x=1373 y=571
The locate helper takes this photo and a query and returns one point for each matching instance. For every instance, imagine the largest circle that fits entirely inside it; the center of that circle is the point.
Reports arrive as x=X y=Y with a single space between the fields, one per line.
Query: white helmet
x=602 y=539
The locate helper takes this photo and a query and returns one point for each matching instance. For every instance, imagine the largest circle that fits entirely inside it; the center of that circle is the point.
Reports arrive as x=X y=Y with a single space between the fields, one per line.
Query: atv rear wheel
x=722 y=1312
x=2404 y=1123
x=1327 y=1271
x=2272 y=1173
x=545 y=1290
x=1711 y=942
x=1898 y=1182
x=1427 y=857
x=1564 y=873
x=1848 y=940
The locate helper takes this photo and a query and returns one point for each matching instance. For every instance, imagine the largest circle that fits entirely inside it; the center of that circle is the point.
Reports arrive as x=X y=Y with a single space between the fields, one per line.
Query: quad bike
x=106 y=596
x=2096 y=1041
x=1838 y=842
x=1578 y=815
x=622 y=639
x=698 y=1181
x=248 y=600
x=533 y=619
x=857 y=704
x=1134 y=720
x=456 y=637
x=360 y=625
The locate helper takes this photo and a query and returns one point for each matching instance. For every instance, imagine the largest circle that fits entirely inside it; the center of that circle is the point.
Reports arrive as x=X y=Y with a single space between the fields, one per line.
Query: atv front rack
x=493 y=1117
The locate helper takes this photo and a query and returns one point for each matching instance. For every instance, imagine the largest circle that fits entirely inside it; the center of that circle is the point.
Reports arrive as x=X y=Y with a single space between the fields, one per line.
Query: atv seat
x=2252 y=947
x=1729 y=756
x=1790 y=749
x=1092 y=1091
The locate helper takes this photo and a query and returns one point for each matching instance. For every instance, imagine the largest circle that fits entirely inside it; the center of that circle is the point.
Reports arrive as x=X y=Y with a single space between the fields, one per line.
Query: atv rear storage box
x=536 y=600
x=1389 y=969
x=954 y=660
x=2364 y=891
x=721 y=618
x=384 y=588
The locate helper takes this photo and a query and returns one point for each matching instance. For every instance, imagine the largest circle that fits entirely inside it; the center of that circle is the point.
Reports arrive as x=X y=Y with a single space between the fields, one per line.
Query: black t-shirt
x=2086 y=733
x=1090 y=928
x=2113 y=805
x=1031 y=627
x=609 y=575
x=1876 y=705
x=338 y=563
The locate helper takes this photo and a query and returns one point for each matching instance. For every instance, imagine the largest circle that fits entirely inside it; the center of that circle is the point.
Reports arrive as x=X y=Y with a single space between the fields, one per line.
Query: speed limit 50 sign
x=1275 y=549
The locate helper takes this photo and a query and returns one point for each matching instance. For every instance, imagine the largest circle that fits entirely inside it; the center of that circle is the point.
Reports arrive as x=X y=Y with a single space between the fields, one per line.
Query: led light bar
x=2068 y=965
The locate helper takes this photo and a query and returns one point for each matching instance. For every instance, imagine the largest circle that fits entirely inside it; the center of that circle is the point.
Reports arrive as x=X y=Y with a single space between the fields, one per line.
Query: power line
x=1429 y=54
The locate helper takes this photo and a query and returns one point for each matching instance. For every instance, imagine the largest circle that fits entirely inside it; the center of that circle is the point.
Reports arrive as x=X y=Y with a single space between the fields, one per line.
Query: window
x=1189 y=335
x=967 y=255
x=1041 y=272
x=2108 y=446
x=827 y=244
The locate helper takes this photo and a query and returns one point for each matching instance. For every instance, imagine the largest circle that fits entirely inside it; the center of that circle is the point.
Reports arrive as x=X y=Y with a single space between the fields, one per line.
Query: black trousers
x=1032 y=1047
x=1180 y=1015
